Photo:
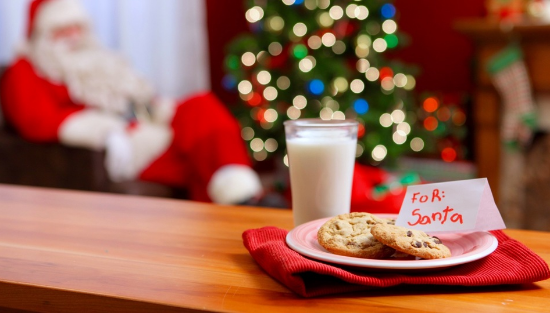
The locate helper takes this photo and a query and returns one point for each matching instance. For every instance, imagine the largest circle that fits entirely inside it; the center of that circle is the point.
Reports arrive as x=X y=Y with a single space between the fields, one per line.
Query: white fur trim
x=163 y=110
x=232 y=184
x=58 y=13
x=148 y=142
x=88 y=129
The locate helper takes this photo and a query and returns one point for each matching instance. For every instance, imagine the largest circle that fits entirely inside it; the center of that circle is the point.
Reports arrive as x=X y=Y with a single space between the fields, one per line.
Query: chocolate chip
x=437 y=240
x=425 y=244
x=418 y=244
x=409 y=233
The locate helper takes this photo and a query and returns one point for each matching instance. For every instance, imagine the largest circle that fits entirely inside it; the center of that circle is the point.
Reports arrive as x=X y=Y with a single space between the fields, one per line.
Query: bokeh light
x=283 y=82
x=263 y=77
x=361 y=106
x=430 y=104
x=398 y=116
x=340 y=84
x=299 y=29
x=430 y=123
x=379 y=45
x=448 y=154
x=316 y=87
x=336 y=12
x=379 y=153
x=299 y=51
x=328 y=39
x=386 y=120
x=256 y=144
x=248 y=58
x=299 y=101
x=372 y=74
x=357 y=86
x=362 y=65
x=361 y=12
x=293 y=113
x=275 y=48
x=247 y=133
x=325 y=20
x=389 y=26
x=350 y=10
x=245 y=87
x=271 y=115
x=270 y=93
x=417 y=144
x=271 y=145
x=254 y=14
x=314 y=42
x=387 y=10
x=276 y=23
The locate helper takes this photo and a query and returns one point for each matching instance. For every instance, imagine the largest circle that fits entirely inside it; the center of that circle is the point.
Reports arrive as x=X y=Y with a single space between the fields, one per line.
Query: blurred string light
x=361 y=106
x=299 y=51
x=357 y=86
x=316 y=86
x=417 y=144
x=275 y=23
x=362 y=65
x=336 y=12
x=388 y=11
x=275 y=48
x=324 y=19
x=283 y=82
x=254 y=14
x=299 y=102
x=379 y=45
x=372 y=74
x=299 y=29
x=263 y=77
x=314 y=42
x=350 y=10
x=328 y=39
x=389 y=26
x=248 y=59
x=379 y=153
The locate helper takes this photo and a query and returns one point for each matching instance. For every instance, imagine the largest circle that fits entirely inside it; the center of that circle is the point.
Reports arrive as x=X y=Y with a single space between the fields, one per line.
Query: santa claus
x=65 y=87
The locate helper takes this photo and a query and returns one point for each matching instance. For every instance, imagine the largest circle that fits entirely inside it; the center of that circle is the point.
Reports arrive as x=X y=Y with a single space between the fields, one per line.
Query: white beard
x=94 y=76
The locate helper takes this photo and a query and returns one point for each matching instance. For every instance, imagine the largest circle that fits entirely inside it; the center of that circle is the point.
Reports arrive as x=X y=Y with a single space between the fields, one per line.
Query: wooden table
x=68 y=251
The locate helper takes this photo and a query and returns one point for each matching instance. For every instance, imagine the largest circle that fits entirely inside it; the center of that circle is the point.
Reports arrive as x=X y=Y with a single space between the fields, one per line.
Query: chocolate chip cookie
x=410 y=241
x=349 y=235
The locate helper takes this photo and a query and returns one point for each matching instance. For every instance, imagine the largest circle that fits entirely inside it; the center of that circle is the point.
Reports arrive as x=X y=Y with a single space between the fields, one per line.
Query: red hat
x=45 y=15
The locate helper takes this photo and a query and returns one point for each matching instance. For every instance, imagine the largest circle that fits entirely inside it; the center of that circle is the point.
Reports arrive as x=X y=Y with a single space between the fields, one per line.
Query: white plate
x=465 y=247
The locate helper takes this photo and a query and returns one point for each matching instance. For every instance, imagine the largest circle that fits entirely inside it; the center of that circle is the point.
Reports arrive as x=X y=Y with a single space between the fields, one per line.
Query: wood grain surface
x=69 y=251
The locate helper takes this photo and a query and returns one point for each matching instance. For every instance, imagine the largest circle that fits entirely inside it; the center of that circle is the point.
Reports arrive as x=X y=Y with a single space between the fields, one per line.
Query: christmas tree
x=324 y=59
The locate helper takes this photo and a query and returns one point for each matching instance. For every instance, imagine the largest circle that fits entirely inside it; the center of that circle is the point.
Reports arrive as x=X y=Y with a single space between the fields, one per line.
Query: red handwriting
x=437 y=216
x=424 y=198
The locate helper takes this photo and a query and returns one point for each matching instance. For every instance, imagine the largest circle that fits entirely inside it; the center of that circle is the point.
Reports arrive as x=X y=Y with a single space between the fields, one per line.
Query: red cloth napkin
x=511 y=263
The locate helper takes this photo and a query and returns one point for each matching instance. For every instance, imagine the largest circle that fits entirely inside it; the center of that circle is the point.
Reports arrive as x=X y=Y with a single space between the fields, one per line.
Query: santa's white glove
x=118 y=156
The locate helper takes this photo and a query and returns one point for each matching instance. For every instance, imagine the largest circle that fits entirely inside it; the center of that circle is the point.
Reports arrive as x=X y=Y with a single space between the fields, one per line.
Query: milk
x=321 y=173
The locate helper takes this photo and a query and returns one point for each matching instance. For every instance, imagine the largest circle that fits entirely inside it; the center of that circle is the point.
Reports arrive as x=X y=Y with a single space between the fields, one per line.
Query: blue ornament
x=387 y=10
x=316 y=87
x=298 y=2
x=361 y=106
x=229 y=82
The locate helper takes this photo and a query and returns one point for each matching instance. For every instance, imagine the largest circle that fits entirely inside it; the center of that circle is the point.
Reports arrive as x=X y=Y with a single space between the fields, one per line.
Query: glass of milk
x=321 y=156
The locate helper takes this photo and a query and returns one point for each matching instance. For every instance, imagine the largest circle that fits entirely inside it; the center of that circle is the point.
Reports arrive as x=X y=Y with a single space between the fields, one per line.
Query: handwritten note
x=457 y=206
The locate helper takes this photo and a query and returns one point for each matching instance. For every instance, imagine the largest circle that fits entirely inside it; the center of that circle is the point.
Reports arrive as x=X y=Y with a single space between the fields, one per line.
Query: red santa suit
x=194 y=143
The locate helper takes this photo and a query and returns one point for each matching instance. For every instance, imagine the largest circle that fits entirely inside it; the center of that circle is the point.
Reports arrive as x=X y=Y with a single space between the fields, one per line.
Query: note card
x=456 y=206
